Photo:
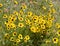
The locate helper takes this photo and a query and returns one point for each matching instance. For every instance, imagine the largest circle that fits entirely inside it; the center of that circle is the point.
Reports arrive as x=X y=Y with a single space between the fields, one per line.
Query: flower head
x=55 y=40
x=1 y=4
x=26 y=38
x=21 y=25
x=20 y=36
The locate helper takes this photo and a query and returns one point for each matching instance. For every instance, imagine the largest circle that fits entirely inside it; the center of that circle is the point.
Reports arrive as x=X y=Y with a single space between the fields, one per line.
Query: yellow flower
x=53 y=10
x=5 y=16
x=15 y=2
x=20 y=18
x=51 y=5
x=29 y=14
x=23 y=7
x=15 y=43
x=30 y=23
x=35 y=18
x=20 y=36
x=7 y=24
x=58 y=32
x=14 y=33
x=12 y=20
x=42 y=26
x=50 y=11
x=21 y=12
x=44 y=7
x=51 y=18
x=11 y=16
x=12 y=39
x=42 y=21
x=33 y=29
x=12 y=25
x=1 y=4
x=58 y=25
x=21 y=25
x=26 y=38
x=27 y=21
x=49 y=23
x=18 y=40
x=7 y=35
x=38 y=29
x=55 y=40
x=15 y=13
x=8 y=28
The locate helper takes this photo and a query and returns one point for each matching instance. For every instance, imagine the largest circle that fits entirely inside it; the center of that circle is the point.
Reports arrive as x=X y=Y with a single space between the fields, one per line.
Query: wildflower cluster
x=29 y=23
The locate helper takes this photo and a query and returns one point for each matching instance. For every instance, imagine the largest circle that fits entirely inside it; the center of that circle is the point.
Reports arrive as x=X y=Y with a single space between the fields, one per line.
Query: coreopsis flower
x=12 y=25
x=6 y=35
x=8 y=28
x=20 y=25
x=55 y=40
x=50 y=4
x=31 y=23
x=35 y=18
x=58 y=25
x=20 y=18
x=5 y=16
x=7 y=24
x=33 y=29
x=30 y=14
x=14 y=33
x=12 y=18
x=26 y=38
x=12 y=39
x=21 y=12
x=58 y=32
x=27 y=21
x=38 y=29
x=18 y=40
x=15 y=13
x=30 y=17
x=43 y=27
x=20 y=36
x=49 y=23
x=15 y=2
x=53 y=10
x=42 y=21
x=1 y=4
x=23 y=6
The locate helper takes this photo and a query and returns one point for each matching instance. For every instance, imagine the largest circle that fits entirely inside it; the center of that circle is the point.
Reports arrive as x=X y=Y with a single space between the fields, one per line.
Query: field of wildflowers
x=29 y=23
